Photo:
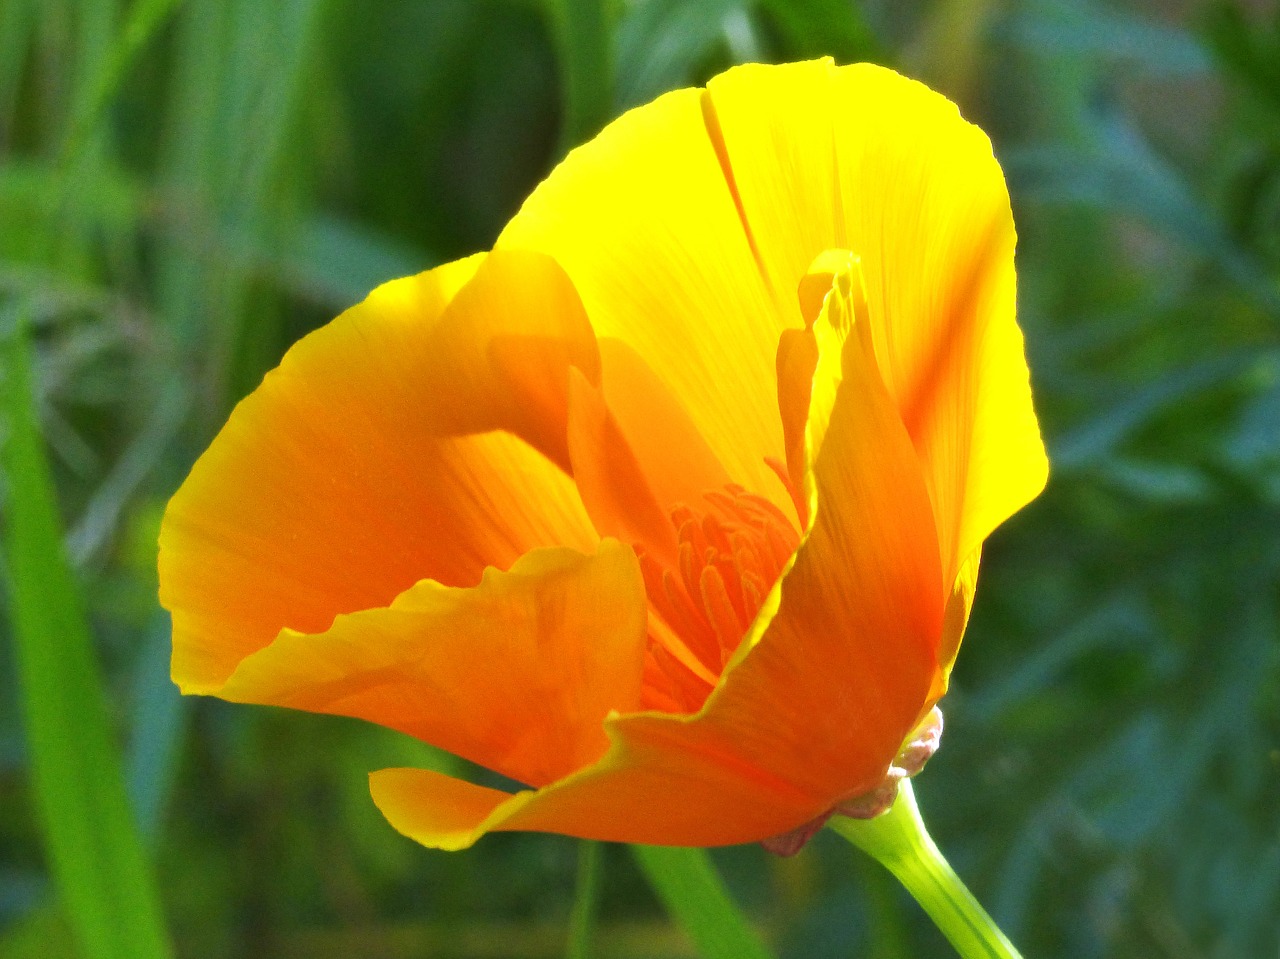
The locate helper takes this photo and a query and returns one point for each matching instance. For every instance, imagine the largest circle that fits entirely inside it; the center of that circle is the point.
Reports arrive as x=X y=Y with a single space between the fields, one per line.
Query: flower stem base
x=899 y=841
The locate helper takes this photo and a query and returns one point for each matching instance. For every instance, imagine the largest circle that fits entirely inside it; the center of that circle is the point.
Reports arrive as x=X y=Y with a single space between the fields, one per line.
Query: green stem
x=582 y=919
x=687 y=883
x=899 y=841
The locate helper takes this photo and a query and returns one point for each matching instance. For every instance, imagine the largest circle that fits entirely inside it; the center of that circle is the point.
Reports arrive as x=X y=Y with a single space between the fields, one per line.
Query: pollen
x=730 y=554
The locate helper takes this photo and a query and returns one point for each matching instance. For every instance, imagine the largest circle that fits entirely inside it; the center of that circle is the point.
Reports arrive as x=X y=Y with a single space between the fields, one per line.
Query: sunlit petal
x=434 y=809
x=331 y=490
x=862 y=159
x=776 y=128
x=652 y=787
x=516 y=674
x=956 y=618
x=928 y=213
x=646 y=225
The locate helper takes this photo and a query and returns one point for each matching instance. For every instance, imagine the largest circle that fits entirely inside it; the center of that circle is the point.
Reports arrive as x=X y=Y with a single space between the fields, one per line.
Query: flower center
x=729 y=557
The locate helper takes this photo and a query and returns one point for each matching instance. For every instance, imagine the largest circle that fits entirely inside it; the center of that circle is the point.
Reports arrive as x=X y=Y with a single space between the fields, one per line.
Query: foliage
x=186 y=188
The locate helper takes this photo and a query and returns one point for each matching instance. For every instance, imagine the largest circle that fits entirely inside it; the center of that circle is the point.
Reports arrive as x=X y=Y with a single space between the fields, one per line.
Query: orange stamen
x=728 y=558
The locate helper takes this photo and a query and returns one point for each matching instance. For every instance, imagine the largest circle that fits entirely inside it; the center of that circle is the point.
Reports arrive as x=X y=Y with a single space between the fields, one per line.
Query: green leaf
x=661 y=42
x=1120 y=172
x=40 y=933
x=97 y=860
x=815 y=28
x=583 y=31
x=1098 y=438
x=691 y=889
x=17 y=22
x=337 y=262
x=1248 y=52
x=1090 y=31
x=239 y=66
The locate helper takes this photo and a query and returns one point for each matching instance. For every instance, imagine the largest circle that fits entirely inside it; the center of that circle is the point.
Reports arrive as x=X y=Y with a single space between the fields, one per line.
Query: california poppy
x=670 y=506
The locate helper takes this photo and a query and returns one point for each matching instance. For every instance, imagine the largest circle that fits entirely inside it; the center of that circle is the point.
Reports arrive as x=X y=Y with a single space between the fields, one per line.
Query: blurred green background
x=188 y=186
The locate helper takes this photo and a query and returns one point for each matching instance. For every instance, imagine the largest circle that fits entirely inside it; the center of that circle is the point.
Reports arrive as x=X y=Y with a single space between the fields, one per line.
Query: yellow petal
x=797 y=364
x=862 y=159
x=775 y=127
x=331 y=490
x=516 y=674
x=796 y=361
x=940 y=281
x=646 y=226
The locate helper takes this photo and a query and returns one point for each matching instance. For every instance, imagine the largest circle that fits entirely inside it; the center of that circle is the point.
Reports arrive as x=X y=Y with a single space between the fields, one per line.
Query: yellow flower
x=670 y=506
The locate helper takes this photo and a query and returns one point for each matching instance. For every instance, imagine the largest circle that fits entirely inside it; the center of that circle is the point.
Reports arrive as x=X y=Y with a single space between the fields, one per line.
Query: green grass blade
x=92 y=841
x=145 y=18
x=17 y=23
x=691 y=889
x=231 y=155
x=158 y=727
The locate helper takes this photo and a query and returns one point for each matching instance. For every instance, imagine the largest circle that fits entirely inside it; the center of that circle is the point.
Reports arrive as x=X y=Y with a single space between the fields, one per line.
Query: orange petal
x=610 y=479
x=516 y=674
x=823 y=693
x=862 y=159
x=635 y=452
x=499 y=355
x=676 y=458
x=646 y=226
x=434 y=809
x=330 y=490
x=810 y=713
x=652 y=787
